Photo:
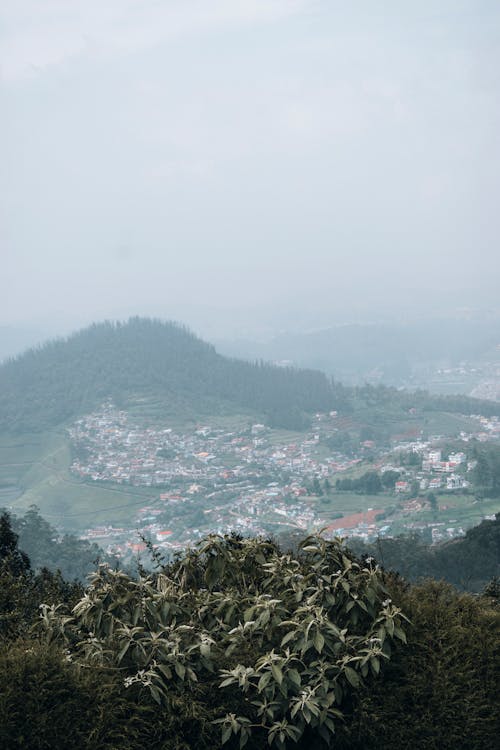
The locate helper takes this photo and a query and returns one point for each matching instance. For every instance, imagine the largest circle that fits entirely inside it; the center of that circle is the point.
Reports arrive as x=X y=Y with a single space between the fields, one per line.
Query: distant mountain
x=354 y=352
x=150 y=359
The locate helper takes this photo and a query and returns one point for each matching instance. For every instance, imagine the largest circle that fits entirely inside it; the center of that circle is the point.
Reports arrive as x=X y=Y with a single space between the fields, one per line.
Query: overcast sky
x=248 y=164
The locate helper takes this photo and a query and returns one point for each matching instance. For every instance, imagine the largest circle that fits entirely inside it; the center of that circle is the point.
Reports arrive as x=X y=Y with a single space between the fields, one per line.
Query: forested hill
x=167 y=365
x=147 y=358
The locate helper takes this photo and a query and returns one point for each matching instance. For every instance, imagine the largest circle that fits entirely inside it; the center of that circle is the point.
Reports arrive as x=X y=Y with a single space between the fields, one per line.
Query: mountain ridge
x=49 y=384
x=144 y=358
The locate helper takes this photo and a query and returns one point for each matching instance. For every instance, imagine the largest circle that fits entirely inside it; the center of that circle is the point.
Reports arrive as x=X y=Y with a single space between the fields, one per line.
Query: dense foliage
x=283 y=639
x=486 y=474
x=369 y=482
x=237 y=642
x=21 y=589
x=46 y=548
x=442 y=691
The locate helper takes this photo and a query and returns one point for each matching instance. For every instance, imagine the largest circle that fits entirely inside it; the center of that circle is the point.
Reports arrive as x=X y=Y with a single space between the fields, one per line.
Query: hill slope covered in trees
x=58 y=381
x=149 y=359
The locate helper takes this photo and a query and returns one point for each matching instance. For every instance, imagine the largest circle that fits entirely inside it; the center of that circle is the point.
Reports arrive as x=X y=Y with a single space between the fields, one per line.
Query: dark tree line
x=421 y=400
x=468 y=562
x=486 y=474
x=74 y=558
x=369 y=483
x=22 y=588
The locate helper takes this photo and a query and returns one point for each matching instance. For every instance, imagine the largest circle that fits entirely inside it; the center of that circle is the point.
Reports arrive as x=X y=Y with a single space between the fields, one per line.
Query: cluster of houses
x=435 y=473
x=248 y=480
x=107 y=448
x=488 y=429
x=208 y=479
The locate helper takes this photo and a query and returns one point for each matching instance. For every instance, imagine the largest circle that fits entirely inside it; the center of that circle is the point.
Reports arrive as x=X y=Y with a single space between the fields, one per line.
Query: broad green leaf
x=155 y=693
x=399 y=633
x=352 y=676
x=313 y=707
x=123 y=651
x=180 y=670
x=318 y=641
x=294 y=677
x=264 y=681
x=277 y=673
x=166 y=671
x=288 y=637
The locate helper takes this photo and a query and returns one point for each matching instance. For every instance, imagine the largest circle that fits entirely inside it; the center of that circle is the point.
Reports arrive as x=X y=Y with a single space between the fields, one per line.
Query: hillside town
x=253 y=480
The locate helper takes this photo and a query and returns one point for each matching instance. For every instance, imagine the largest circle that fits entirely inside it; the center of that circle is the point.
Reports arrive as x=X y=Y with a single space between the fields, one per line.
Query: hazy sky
x=248 y=163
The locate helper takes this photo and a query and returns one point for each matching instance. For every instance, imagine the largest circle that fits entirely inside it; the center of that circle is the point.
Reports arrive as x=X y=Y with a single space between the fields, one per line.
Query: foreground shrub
x=282 y=641
x=238 y=644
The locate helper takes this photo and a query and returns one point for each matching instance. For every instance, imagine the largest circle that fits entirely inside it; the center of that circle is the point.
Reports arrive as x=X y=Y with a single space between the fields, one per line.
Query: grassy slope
x=34 y=470
x=392 y=419
x=36 y=467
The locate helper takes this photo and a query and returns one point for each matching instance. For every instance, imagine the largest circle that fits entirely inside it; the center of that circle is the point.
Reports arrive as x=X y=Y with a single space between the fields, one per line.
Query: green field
x=34 y=470
x=389 y=419
x=444 y=423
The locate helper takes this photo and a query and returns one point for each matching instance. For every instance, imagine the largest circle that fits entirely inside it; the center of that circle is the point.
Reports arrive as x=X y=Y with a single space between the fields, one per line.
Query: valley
x=148 y=434
x=119 y=478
